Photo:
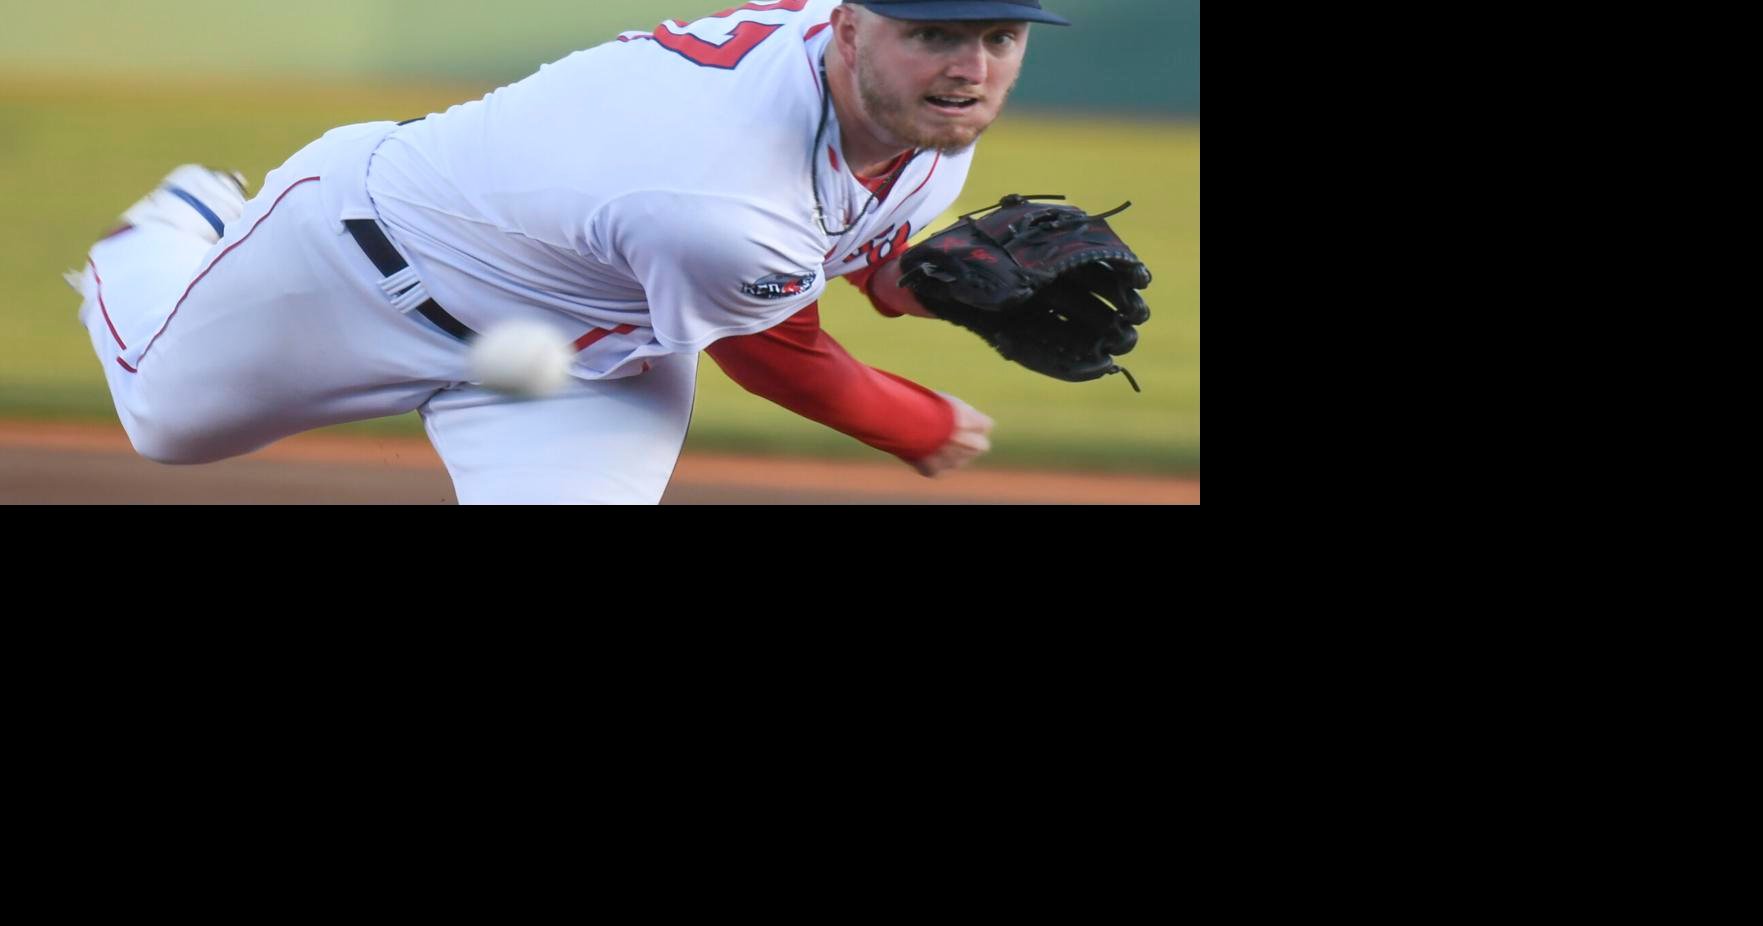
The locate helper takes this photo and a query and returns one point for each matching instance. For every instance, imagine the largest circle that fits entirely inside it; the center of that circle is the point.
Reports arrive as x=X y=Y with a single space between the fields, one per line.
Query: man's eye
x=929 y=35
x=1004 y=38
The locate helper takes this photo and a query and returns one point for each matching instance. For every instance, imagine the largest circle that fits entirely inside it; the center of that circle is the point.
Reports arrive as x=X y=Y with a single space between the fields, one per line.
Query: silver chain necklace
x=826 y=99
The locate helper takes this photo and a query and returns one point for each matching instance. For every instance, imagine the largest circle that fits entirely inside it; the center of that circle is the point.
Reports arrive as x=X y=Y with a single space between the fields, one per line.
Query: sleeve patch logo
x=780 y=285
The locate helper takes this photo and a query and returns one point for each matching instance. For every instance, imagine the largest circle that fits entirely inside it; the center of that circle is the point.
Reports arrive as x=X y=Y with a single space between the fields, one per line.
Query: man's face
x=937 y=84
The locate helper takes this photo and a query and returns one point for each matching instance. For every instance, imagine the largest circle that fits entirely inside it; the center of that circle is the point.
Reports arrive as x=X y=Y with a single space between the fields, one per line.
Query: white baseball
x=522 y=358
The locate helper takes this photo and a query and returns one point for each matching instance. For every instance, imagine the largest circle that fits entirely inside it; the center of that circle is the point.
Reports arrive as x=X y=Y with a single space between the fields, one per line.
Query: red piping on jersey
x=812 y=71
x=217 y=260
x=593 y=337
x=883 y=184
x=933 y=170
x=908 y=197
x=102 y=307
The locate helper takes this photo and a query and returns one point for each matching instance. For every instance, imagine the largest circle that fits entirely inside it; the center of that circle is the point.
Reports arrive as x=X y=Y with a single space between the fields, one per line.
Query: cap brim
x=965 y=10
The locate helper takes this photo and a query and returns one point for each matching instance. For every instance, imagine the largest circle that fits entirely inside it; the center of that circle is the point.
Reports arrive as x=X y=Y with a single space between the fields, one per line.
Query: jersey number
x=743 y=38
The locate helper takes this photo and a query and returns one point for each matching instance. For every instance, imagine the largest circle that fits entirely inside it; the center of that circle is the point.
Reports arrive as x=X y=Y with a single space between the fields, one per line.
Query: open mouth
x=952 y=103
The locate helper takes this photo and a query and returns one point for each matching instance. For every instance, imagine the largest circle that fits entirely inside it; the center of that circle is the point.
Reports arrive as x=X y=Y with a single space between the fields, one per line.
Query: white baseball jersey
x=646 y=198
x=651 y=195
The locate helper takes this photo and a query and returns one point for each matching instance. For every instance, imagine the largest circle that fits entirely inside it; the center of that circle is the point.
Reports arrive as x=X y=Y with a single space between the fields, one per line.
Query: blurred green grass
x=1138 y=56
x=73 y=153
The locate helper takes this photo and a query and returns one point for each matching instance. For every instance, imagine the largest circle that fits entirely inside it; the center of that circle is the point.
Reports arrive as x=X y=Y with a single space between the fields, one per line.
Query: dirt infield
x=58 y=463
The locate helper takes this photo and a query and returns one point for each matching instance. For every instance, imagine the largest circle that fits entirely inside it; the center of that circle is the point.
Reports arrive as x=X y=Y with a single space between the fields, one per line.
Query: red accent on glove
x=799 y=366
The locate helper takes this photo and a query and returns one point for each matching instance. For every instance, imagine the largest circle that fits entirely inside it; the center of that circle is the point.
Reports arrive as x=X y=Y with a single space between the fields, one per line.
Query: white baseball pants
x=281 y=327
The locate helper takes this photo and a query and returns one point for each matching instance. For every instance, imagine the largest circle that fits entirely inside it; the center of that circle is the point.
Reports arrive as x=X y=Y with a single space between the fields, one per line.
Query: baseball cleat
x=193 y=199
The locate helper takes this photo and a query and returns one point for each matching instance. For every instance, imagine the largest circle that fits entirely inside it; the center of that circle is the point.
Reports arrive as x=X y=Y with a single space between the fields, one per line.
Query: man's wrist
x=885 y=288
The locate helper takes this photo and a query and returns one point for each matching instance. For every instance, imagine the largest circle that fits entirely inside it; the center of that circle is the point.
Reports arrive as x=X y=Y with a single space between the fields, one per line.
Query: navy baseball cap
x=933 y=10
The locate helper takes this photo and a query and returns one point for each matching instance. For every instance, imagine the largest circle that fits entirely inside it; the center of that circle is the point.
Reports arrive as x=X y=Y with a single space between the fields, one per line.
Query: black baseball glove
x=1051 y=287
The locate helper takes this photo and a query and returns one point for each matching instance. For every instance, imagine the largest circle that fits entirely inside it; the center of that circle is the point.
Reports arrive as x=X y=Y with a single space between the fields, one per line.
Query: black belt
x=378 y=249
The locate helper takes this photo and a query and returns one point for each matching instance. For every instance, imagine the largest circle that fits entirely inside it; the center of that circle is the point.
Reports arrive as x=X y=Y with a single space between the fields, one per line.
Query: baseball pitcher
x=690 y=189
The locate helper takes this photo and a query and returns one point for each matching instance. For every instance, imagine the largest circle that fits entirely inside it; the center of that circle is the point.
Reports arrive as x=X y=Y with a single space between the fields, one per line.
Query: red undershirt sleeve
x=862 y=279
x=799 y=366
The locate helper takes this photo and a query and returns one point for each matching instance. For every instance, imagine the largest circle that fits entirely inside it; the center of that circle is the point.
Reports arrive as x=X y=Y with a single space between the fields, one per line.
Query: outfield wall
x=1123 y=56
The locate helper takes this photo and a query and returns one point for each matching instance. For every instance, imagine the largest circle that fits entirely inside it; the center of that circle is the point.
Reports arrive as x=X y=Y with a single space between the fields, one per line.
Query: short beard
x=895 y=116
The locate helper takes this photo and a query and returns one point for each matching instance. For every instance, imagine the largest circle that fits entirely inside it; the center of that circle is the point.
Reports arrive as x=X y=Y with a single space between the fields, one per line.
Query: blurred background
x=99 y=98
